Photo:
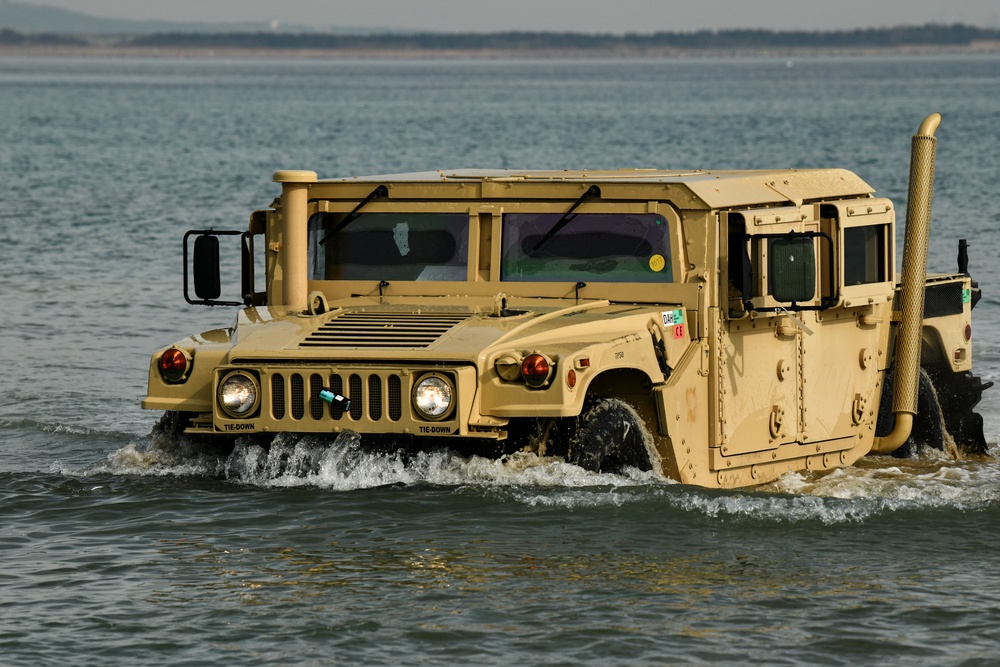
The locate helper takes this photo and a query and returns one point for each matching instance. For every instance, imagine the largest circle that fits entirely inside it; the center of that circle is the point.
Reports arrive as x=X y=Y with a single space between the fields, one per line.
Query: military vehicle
x=719 y=327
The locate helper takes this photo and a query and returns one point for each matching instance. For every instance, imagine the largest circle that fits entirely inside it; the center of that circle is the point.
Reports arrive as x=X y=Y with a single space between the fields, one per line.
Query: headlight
x=238 y=394
x=433 y=397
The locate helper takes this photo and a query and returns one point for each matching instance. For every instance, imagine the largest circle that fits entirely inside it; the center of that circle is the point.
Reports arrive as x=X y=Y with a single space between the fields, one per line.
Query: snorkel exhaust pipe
x=911 y=292
x=293 y=251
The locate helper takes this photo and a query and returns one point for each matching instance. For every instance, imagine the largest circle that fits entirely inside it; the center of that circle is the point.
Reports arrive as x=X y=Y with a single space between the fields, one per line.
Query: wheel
x=928 y=424
x=958 y=395
x=611 y=437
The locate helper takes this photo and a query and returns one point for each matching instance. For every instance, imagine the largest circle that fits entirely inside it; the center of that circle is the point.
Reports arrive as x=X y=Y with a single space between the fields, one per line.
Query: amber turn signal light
x=536 y=370
x=174 y=365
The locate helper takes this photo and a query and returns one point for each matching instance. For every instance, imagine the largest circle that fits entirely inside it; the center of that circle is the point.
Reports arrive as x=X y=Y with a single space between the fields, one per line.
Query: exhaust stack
x=293 y=251
x=911 y=294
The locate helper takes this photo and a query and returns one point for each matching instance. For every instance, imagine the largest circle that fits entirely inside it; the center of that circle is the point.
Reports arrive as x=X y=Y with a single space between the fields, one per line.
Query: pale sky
x=615 y=16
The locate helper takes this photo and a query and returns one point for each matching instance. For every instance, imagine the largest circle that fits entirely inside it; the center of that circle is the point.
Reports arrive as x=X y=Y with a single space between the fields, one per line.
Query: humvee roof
x=705 y=189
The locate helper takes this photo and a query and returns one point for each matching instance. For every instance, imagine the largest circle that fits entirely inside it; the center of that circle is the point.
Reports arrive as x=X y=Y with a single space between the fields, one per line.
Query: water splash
x=875 y=486
x=343 y=463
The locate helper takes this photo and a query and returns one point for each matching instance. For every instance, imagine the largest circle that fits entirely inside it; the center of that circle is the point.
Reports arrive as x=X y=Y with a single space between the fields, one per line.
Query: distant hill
x=905 y=38
x=36 y=29
x=34 y=19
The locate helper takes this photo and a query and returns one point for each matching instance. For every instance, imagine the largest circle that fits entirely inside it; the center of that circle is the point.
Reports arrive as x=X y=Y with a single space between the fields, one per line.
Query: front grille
x=383 y=330
x=374 y=395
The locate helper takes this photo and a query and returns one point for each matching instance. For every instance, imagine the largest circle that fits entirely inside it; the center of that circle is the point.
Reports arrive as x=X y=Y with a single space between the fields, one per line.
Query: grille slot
x=315 y=402
x=337 y=385
x=278 y=396
x=375 y=397
x=395 y=398
x=298 y=397
x=356 y=396
x=383 y=330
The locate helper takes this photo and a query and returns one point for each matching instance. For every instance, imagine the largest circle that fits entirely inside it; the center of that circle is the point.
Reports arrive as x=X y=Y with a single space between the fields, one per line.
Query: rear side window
x=599 y=247
x=864 y=255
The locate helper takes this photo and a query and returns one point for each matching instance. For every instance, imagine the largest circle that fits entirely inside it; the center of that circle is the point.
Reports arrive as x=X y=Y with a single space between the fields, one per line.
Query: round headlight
x=433 y=397
x=238 y=394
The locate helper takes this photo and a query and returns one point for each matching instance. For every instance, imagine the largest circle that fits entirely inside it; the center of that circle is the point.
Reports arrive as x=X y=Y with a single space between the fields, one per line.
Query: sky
x=614 y=16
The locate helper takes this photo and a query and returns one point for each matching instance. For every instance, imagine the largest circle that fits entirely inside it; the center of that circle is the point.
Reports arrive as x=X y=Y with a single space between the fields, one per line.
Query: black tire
x=610 y=438
x=928 y=424
x=959 y=394
x=928 y=427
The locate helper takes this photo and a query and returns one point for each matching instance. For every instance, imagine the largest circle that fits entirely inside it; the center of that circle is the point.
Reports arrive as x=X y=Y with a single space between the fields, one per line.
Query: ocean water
x=122 y=545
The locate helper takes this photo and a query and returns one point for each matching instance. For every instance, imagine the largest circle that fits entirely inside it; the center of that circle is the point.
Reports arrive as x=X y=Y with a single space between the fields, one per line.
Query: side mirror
x=791 y=269
x=206 y=264
x=207 y=283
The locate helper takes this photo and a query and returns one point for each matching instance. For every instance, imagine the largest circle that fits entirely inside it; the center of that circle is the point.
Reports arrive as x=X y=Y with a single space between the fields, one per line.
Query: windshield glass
x=389 y=246
x=600 y=247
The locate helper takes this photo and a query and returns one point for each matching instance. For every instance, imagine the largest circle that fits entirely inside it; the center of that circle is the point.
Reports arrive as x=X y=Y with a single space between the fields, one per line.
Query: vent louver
x=383 y=330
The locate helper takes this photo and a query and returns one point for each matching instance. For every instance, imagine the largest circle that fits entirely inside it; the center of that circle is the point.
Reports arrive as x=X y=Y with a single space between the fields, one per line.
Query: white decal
x=672 y=317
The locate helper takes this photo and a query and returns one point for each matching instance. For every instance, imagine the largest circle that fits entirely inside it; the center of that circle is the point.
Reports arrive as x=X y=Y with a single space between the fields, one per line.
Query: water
x=120 y=545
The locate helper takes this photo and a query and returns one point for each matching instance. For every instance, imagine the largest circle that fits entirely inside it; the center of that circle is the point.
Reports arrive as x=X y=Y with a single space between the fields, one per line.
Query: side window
x=865 y=255
x=599 y=247
x=739 y=278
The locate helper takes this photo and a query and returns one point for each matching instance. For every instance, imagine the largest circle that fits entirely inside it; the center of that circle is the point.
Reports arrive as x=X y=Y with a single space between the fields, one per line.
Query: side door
x=842 y=359
x=774 y=281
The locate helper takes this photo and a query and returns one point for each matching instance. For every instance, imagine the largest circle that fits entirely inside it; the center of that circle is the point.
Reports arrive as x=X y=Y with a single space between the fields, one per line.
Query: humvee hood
x=396 y=333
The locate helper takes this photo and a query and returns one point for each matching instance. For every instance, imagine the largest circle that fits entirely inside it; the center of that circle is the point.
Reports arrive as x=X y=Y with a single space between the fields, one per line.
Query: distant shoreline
x=653 y=53
x=898 y=41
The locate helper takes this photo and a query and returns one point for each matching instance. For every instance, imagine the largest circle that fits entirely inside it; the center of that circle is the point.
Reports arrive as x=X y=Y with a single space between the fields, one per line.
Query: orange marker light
x=535 y=369
x=173 y=365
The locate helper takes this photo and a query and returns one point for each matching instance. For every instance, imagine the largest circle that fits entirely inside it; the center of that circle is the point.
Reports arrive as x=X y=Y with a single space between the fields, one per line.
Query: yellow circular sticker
x=657 y=263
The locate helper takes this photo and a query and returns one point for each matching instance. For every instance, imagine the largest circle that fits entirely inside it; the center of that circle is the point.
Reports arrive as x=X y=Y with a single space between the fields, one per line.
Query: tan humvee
x=721 y=327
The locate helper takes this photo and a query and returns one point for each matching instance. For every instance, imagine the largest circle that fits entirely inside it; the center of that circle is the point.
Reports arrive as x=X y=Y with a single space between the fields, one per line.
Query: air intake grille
x=943 y=299
x=383 y=330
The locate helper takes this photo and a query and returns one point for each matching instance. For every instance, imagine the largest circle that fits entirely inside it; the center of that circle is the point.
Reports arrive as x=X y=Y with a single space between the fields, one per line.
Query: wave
x=58 y=429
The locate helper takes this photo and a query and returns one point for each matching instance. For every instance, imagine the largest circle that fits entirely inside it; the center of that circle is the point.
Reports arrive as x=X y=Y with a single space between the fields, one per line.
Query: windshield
x=602 y=247
x=389 y=246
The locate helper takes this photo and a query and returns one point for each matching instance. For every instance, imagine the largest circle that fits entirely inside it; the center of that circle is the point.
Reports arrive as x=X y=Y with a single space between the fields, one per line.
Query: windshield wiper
x=380 y=191
x=593 y=193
